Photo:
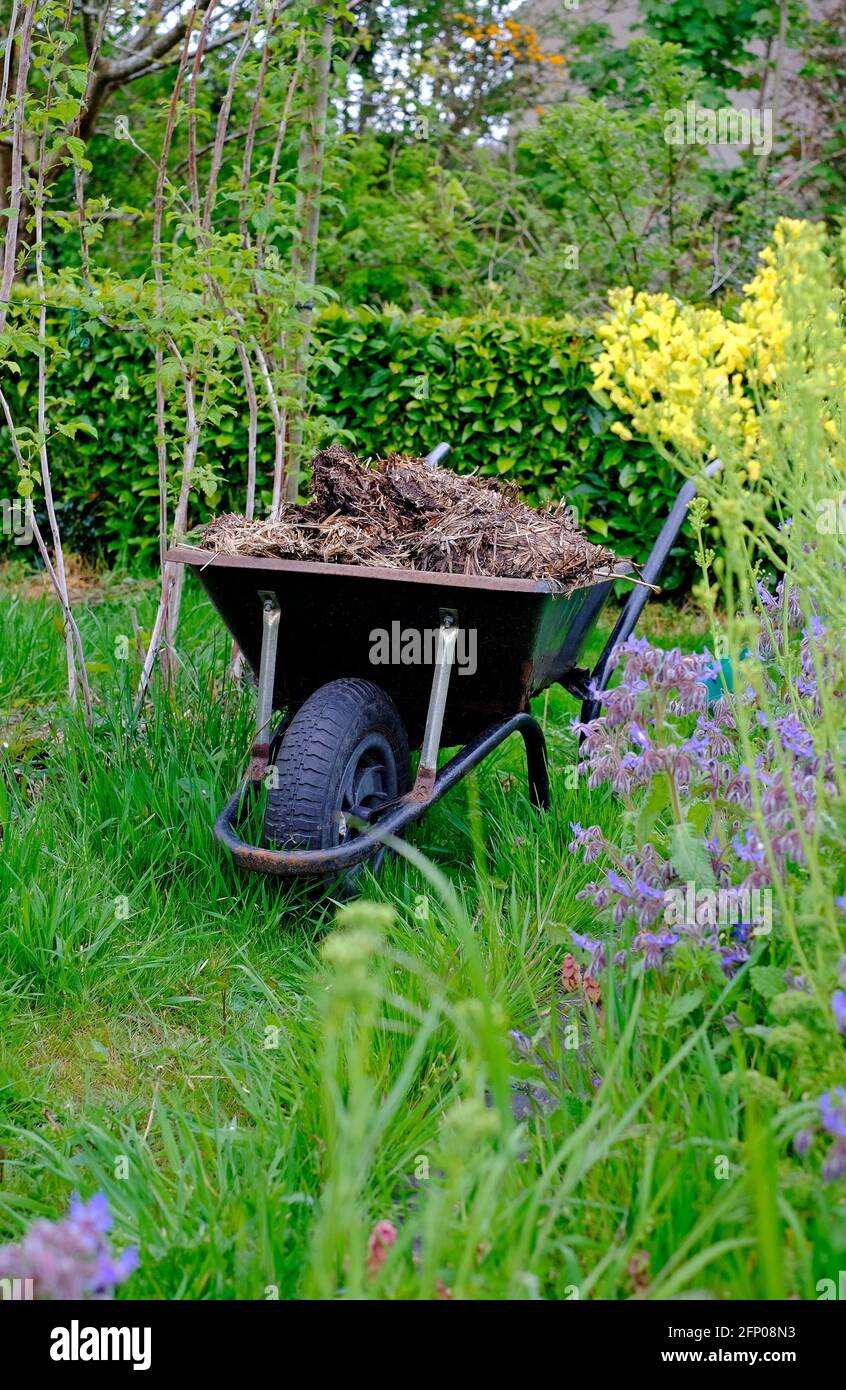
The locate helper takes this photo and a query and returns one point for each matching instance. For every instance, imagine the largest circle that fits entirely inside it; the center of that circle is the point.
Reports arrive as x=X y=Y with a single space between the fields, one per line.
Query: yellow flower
x=685 y=373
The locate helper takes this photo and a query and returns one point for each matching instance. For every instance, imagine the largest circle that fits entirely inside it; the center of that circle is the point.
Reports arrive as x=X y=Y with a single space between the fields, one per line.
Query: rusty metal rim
x=322 y=863
x=201 y=559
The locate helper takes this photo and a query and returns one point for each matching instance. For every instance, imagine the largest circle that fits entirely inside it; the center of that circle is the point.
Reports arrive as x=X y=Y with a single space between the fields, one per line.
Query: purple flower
x=70 y=1259
x=731 y=959
x=794 y=736
x=751 y=851
x=647 y=890
x=833 y=1112
x=802 y=1141
x=599 y=959
x=592 y=841
x=834 y=1166
x=94 y=1215
x=654 y=947
x=618 y=884
x=766 y=806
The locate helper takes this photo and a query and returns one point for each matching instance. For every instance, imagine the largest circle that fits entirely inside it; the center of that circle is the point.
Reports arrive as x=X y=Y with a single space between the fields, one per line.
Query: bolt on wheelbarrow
x=337 y=767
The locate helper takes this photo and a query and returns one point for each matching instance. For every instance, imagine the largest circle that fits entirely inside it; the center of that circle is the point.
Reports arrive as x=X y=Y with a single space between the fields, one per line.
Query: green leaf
x=690 y=858
x=655 y=804
x=684 y=1005
x=767 y=980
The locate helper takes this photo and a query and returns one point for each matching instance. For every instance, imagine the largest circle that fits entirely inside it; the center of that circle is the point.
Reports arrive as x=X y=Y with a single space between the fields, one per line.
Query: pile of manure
x=399 y=513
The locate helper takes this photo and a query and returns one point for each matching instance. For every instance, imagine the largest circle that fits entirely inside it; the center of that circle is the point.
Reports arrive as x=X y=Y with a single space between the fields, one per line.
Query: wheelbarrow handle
x=437 y=455
x=639 y=596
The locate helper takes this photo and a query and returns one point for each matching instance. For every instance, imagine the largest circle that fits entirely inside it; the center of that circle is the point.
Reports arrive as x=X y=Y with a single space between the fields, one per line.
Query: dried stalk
x=192 y=103
x=168 y=571
x=73 y=644
x=223 y=119
x=281 y=132
x=79 y=174
x=61 y=590
x=304 y=255
x=13 y=211
x=7 y=59
x=253 y=125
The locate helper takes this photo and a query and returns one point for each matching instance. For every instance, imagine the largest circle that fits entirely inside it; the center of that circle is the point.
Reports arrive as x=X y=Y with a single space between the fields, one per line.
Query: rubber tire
x=302 y=810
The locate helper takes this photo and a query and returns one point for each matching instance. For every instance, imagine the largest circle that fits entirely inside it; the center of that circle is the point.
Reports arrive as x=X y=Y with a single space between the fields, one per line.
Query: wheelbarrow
x=337 y=766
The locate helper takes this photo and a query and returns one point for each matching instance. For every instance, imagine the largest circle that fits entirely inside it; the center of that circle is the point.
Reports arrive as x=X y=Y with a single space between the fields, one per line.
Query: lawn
x=253 y=1093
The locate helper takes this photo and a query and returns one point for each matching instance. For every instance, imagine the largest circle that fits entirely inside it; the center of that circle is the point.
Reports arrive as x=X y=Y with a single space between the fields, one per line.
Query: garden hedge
x=513 y=395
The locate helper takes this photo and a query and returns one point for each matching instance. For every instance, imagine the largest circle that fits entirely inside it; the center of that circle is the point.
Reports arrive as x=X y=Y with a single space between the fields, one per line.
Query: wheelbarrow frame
x=431 y=783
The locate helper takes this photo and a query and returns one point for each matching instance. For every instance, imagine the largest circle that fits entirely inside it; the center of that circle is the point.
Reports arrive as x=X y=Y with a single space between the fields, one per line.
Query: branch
x=235 y=135
x=7 y=59
x=123 y=69
x=13 y=211
x=213 y=44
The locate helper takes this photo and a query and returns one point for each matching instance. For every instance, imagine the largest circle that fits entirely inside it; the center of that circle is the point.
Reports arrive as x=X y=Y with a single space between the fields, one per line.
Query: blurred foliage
x=719 y=35
x=581 y=193
x=511 y=171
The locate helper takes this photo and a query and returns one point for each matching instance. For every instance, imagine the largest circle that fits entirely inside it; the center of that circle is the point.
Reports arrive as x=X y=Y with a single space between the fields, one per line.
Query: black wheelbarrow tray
x=337 y=766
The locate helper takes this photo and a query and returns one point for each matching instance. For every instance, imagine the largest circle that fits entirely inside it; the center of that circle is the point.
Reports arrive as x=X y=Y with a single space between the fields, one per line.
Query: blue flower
x=802 y=1141
x=833 y=1112
x=94 y=1214
x=647 y=891
x=618 y=884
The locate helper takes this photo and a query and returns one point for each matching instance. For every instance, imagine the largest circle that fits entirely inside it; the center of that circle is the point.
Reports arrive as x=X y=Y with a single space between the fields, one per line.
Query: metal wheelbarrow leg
x=394 y=816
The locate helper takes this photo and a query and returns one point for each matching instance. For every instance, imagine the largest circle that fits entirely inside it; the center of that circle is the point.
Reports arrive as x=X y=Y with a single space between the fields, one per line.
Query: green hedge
x=512 y=395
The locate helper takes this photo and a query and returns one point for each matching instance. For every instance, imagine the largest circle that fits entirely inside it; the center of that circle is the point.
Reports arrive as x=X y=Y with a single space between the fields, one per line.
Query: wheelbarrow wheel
x=344 y=753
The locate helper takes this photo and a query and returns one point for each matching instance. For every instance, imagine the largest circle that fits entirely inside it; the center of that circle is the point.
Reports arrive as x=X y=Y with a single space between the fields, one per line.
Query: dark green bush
x=511 y=395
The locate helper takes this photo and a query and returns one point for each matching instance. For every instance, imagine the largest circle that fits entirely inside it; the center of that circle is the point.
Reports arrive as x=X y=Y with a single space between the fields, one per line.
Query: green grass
x=171 y=1032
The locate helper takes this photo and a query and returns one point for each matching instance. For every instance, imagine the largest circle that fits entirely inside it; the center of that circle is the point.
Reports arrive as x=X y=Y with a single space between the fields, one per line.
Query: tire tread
x=307 y=762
